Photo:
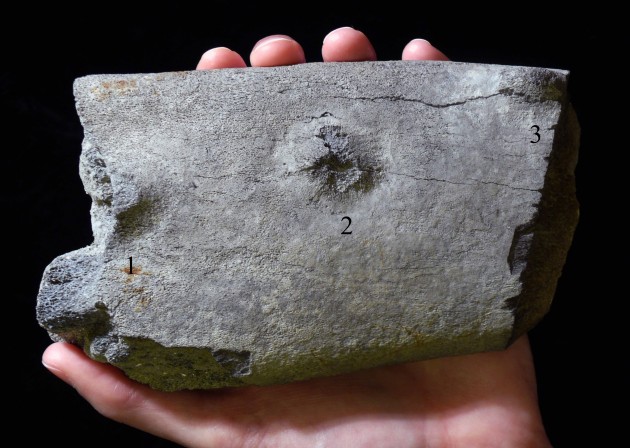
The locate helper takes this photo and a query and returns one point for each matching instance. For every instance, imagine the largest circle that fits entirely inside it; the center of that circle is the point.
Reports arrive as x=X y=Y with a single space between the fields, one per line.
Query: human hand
x=485 y=400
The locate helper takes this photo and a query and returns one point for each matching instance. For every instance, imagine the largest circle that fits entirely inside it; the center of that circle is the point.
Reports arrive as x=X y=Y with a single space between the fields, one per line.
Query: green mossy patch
x=175 y=368
x=136 y=219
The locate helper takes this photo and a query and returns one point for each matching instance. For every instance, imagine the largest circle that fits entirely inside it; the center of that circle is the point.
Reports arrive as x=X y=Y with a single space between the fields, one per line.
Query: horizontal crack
x=476 y=181
x=487 y=182
x=415 y=100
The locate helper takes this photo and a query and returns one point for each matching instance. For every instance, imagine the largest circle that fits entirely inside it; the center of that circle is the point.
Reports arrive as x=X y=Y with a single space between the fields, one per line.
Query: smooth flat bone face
x=258 y=226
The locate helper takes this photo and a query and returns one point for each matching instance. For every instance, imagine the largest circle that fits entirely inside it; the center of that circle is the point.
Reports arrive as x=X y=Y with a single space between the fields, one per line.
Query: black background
x=578 y=347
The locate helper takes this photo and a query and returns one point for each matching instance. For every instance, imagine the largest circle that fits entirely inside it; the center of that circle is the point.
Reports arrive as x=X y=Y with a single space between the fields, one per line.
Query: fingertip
x=104 y=386
x=346 y=44
x=276 y=50
x=54 y=358
x=220 y=57
x=422 y=50
x=112 y=393
x=338 y=33
x=69 y=363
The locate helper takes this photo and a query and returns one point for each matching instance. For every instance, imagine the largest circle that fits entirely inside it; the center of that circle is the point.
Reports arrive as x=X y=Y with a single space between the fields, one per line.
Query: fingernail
x=421 y=40
x=269 y=39
x=333 y=32
x=50 y=360
x=51 y=367
x=212 y=51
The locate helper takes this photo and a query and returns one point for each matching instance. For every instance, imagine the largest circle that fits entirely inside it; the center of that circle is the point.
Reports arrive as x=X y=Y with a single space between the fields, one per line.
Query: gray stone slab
x=230 y=191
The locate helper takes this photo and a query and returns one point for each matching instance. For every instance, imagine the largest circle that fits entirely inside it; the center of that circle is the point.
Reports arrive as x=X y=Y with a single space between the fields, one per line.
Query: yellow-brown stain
x=143 y=302
x=119 y=87
x=418 y=338
x=138 y=294
x=134 y=270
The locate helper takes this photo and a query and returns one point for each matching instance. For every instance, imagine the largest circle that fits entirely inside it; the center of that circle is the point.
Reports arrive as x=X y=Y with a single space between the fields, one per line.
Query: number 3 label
x=536 y=134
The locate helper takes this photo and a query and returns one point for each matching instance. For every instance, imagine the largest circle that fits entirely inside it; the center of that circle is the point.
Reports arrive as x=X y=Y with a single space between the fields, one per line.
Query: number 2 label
x=345 y=232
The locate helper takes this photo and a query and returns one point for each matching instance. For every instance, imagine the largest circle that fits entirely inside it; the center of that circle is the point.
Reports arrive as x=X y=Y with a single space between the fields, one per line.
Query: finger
x=105 y=387
x=276 y=50
x=220 y=57
x=346 y=45
x=113 y=394
x=422 y=50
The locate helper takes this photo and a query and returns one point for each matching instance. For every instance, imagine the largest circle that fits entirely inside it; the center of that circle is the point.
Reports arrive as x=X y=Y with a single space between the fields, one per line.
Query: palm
x=478 y=400
x=487 y=399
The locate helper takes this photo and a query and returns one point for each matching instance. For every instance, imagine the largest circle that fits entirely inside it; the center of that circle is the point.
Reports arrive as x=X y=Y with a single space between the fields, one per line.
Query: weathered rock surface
x=229 y=190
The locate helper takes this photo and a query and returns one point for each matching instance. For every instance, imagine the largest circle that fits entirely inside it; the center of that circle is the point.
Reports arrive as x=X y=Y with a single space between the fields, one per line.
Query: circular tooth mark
x=341 y=169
